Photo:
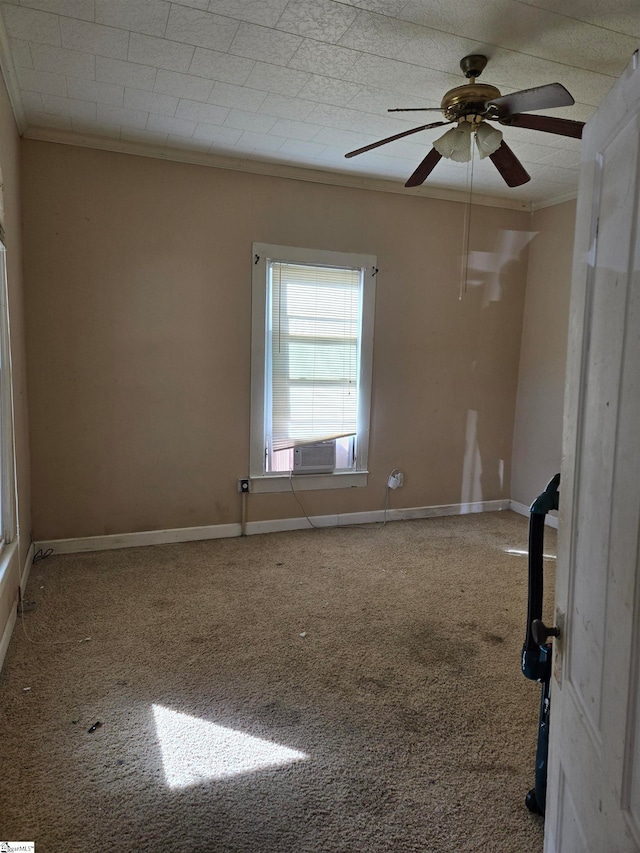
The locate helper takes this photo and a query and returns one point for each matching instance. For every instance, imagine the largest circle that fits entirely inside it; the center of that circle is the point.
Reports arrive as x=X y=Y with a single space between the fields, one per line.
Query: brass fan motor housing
x=469 y=99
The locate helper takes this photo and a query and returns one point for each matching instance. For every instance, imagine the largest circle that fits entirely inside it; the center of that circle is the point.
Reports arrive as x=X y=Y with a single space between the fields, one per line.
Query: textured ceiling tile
x=96 y=128
x=59 y=60
x=42 y=81
x=264 y=12
x=329 y=91
x=385 y=7
x=135 y=134
x=94 y=38
x=277 y=79
x=187 y=143
x=216 y=65
x=200 y=28
x=341 y=117
x=380 y=35
x=166 y=54
x=340 y=139
x=249 y=121
x=300 y=148
x=42 y=119
x=151 y=102
x=291 y=129
x=258 y=142
x=214 y=133
x=326 y=59
x=199 y=112
x=143 y=16
x=183 y=85
x=510 y=72
x=523 y=27
x=323 y=20
x=521 y=136
x=68 y=107
x=32 y=102
x=21 y=53
x=297 y=89
x=409 y=42
x=228 y=95
x=194 y=4
x=90 y=90
x=125 y=73
x=414 y=151
x=401 y=77
x=264 y=44
x=31 y=25
x=167 y=124
x=381 y=101
x=82 y=9
x=565 y=159
x=619 y=17
x=290 y=108
x=122 y=116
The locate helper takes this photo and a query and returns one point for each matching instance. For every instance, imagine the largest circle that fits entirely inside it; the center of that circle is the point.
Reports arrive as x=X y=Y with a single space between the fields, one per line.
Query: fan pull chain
x=464 y=272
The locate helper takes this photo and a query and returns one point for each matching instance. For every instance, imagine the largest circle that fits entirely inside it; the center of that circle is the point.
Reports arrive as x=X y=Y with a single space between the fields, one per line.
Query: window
x=7 y=478
x=312 y=345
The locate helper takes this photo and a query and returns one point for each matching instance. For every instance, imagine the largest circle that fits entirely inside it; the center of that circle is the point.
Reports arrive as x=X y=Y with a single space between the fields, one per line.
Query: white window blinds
x=314 y=353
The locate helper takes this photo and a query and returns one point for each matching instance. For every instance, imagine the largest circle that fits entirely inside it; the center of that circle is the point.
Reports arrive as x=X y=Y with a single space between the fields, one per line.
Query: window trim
x=7 y=443
x=278 y=482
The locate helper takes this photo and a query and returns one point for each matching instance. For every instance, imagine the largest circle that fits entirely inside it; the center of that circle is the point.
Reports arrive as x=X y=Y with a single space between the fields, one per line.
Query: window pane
x=315 y=323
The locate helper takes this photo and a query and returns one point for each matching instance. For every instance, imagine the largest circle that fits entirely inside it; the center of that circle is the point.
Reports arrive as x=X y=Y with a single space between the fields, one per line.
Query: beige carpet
x=333 y=690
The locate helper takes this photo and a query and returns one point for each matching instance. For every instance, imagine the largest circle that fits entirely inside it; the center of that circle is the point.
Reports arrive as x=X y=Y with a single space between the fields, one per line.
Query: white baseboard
x=373 y=517
x=523 y=509
x=12 y=559
x=218 y=531
x=6 y=634
x=134 y=540
x=27 y=568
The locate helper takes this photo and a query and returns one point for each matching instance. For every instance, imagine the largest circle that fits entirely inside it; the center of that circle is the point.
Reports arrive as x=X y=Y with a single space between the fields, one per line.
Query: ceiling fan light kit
x=488 y=139
x=473 y=105
x=456 y=143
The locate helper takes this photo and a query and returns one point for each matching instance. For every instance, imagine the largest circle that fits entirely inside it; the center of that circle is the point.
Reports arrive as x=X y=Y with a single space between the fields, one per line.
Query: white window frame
x=7 y=445
x=262 y=254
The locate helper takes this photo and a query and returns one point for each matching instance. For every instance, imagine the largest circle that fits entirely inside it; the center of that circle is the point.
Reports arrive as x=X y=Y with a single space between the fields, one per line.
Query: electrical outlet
x=243 y=486
x=395 y=480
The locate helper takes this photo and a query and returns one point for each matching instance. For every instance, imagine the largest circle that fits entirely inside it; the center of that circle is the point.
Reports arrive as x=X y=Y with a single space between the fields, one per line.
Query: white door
x=593 y=799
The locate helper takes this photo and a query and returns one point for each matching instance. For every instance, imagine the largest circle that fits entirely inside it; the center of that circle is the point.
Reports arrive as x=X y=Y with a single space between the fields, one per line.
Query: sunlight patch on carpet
x=195 y=750
x=520 y=553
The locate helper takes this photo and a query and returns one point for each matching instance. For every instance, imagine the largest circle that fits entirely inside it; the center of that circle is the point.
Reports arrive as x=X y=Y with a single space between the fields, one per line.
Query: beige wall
x=537 y=441
x=10 y=164
x=138 y=277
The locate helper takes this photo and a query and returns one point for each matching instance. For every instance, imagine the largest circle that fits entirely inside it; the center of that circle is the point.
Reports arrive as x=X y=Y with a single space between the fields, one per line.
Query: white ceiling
x=272 y=85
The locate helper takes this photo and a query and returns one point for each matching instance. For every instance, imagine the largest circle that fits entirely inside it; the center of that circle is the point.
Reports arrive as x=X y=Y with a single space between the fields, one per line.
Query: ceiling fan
x=470 y=107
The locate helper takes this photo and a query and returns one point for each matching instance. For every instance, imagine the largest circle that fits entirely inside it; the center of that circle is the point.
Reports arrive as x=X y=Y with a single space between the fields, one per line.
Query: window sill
x=270 y=483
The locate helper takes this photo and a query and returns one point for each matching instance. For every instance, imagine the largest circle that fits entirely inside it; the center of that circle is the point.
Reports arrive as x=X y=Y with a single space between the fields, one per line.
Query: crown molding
x=556 y=199
x=262 y=167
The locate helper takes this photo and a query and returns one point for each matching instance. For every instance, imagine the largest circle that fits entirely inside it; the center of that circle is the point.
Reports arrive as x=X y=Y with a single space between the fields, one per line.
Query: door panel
x=593 y=800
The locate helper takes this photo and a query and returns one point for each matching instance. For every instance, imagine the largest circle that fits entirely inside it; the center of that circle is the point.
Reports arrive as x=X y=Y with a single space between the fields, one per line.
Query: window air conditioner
x=315 y=458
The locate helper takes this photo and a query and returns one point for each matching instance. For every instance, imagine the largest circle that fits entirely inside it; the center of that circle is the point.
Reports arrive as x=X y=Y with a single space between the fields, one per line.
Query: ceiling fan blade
x=548 y=124
x=538 y=98
x=424 y=169
x=394 y=137
x=509 y=166
x=414 y=109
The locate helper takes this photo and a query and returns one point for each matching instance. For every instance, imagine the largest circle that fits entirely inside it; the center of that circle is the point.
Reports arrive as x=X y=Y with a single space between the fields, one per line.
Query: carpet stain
x=493 y=639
